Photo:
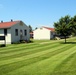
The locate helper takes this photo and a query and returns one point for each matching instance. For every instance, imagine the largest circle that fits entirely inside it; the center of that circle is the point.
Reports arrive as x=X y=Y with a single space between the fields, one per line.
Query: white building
x=13 y=31
x=44 y=33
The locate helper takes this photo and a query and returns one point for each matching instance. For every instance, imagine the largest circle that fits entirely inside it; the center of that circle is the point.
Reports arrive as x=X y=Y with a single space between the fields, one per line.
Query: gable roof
x=8 y=24
x=51 y=29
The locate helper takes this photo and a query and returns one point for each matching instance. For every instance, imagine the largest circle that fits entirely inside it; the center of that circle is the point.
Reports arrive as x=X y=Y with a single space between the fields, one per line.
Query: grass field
x=41 y=57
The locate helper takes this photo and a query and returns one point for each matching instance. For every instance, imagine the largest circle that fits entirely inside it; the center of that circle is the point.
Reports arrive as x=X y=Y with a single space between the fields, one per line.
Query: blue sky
x=36 y=12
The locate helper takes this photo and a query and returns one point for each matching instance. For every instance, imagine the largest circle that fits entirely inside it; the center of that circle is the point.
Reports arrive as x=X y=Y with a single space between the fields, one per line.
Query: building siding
x=7 y=37
x=11 y=37
x=19 y=27
x=42 y=33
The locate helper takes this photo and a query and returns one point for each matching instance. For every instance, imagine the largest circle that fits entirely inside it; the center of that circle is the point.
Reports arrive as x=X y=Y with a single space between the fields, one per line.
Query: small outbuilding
x=44 y=33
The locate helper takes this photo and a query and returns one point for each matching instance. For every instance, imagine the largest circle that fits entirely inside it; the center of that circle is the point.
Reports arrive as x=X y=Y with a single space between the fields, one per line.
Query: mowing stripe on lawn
x=43 y=66
x=20 y=47
x=30 y=61
x=31 y=55
x=14 y=47
x=34 y=60
x=20 y=58
x=25 y=52
x=66 y=66
x=26 y=48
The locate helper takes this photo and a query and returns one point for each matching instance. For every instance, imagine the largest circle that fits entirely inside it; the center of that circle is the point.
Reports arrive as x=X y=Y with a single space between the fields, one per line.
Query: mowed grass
x=42 y=57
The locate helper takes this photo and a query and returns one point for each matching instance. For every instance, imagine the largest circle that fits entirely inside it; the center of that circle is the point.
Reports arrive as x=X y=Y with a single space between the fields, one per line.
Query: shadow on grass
x=68 y=43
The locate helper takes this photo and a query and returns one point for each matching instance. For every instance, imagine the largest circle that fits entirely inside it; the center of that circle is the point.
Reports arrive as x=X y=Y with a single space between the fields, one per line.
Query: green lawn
x=42 y=57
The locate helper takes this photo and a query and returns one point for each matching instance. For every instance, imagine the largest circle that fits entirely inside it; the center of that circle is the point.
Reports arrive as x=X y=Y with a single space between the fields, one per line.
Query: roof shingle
x=52 y=29
x=8 y=24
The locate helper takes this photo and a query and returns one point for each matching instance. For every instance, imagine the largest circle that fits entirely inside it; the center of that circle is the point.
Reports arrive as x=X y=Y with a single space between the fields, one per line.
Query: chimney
x=2 y=21
x=11 y=20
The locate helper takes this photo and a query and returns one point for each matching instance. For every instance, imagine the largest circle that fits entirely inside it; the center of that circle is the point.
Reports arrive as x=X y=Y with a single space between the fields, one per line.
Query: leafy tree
x=62 y=27
x=36 y=28
x=73 y=25
x=30 y=28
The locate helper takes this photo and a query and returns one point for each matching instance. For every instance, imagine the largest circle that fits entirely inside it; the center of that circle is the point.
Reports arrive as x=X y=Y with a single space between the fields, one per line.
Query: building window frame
x=16 y=32
x=25 y=32
x=5 y=31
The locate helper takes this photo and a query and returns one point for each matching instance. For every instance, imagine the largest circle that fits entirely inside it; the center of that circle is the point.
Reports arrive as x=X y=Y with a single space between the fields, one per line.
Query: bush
x=26 y=41
x=23 y=41
x=29 y=41
x=16 y=42
x=2 y=45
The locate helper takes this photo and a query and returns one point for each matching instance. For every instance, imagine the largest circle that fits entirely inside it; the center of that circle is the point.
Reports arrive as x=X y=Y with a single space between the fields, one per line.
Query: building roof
x=8 y=24
x=51 y=29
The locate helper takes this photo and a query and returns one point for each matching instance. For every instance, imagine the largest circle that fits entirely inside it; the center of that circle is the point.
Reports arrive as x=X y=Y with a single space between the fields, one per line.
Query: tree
x=73 y=25
x=30 y=28
x=63 y=26
x=36 y=28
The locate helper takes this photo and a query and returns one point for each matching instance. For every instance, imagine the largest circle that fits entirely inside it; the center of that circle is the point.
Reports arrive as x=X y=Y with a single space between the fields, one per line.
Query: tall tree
x=30 y=27
x=73 y=25
x=62 y=27
x=36 y=28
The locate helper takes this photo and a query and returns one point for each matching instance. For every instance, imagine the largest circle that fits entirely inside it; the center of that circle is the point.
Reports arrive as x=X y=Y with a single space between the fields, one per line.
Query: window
x=5 y=31
x=2 y=37
x=16 y=32
x=25 y=32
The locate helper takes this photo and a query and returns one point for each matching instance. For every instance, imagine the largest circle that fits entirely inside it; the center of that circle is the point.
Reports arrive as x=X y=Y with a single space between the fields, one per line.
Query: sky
x=36 y=13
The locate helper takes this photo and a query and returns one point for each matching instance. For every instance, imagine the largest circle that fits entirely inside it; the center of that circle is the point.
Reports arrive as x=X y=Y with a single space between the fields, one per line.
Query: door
x=21 y=35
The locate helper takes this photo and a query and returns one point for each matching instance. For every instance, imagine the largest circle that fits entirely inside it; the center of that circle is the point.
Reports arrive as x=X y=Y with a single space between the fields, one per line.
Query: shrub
x=2 y=45
x=16 y=42
x=23 y=41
